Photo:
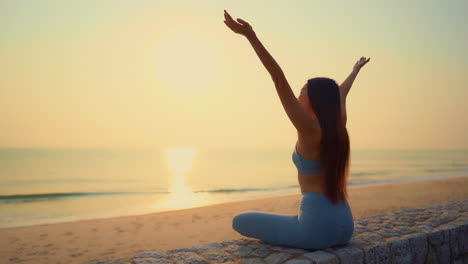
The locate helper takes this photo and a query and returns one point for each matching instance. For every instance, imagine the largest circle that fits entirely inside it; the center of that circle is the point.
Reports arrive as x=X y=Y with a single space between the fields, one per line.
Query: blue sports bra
x=305 y=166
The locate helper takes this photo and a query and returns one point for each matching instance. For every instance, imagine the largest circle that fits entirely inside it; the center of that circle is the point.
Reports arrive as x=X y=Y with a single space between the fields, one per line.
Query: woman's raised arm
x=245 y=29
x=346 y=85
x=300 y=118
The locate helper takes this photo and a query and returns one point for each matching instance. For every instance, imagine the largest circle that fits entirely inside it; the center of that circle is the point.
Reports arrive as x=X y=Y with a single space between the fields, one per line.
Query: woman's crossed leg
x=275 y=229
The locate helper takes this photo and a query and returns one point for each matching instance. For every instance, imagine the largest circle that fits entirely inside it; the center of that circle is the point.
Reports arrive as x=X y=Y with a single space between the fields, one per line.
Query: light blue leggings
x=318 y=225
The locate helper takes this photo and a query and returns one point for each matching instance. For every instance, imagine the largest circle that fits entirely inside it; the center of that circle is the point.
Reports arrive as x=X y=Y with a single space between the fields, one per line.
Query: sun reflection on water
x=180 y=161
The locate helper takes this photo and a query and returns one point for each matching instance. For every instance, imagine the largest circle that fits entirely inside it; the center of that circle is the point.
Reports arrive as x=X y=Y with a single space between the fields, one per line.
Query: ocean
x=44 y=186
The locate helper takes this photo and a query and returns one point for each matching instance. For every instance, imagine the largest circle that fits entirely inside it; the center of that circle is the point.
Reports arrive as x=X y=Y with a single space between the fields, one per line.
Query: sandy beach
x=86 y=240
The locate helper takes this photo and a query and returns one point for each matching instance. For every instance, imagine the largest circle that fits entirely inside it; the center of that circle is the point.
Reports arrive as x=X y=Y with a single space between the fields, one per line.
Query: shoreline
x=123 y=236
x=365 y=185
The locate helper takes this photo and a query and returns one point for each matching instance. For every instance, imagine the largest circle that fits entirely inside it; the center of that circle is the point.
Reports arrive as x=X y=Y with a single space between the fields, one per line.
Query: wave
x=370 y=182
x=24 y=198
x=368 y=173
x=15 y=198
x=32 y=181
x=458 y=164
x=446 y=170
x=54 y=196
x=239 y=190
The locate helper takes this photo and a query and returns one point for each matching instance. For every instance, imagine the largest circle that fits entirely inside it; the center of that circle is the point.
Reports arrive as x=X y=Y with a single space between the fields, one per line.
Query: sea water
x=44 y=186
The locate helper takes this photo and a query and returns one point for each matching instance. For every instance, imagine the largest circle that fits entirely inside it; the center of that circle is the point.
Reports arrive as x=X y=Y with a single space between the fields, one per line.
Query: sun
x=180 y=159
x=186 y=61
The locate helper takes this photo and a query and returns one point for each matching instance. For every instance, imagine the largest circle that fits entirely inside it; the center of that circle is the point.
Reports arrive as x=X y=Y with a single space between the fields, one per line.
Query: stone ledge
x=432 y=234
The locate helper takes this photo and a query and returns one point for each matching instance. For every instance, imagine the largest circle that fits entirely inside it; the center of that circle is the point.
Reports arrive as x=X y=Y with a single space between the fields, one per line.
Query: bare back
x=309 y=148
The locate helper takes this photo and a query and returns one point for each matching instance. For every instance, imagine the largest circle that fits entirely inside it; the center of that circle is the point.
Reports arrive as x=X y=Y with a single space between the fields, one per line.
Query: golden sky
x=170 y=73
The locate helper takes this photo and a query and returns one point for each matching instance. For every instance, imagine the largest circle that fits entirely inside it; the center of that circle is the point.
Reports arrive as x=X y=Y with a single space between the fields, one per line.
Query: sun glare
x=180 y=161
x=186 y=61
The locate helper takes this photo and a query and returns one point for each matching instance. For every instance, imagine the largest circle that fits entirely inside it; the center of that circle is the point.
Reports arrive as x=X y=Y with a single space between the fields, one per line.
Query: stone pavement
x=432 y=234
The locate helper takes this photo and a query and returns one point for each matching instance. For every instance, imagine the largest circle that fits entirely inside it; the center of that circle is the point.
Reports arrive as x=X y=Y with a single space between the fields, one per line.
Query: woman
x=321 y=155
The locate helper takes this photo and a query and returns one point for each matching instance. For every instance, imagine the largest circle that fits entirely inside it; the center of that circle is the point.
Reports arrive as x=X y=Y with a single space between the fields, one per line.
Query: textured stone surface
x=298 y=261
x=279 y=257
x=321 y=256
x=433 y=234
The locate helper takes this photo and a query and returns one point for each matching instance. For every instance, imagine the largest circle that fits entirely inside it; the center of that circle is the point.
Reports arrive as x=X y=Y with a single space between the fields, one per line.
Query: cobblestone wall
x=433 y=234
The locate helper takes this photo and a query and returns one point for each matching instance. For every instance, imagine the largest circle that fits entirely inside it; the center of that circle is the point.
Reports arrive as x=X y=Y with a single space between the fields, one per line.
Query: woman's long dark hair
x=325 y=99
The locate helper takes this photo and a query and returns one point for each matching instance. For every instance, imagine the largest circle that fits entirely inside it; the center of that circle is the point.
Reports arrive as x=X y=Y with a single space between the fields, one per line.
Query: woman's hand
x=361 y=62
x=242 y=27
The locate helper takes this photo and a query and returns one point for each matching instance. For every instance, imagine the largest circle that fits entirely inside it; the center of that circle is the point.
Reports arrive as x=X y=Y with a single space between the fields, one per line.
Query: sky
x=112 y=74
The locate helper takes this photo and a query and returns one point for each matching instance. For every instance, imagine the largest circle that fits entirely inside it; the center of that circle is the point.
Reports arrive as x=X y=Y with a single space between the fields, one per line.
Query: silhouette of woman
x=321 y=155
